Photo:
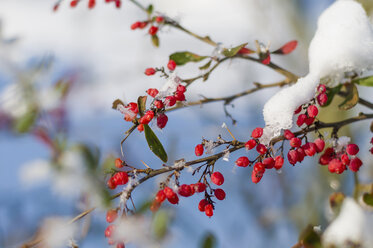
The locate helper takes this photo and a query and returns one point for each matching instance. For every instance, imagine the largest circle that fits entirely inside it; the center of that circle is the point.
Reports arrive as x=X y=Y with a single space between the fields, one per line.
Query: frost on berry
x=217 y=178
x=120 y=178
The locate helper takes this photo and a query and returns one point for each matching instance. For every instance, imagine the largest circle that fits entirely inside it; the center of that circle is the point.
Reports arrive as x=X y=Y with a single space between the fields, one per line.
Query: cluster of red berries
x=298 y=152
x=186 y=190
x=91 y=3
x=263 y=161
x=119 y=178
x=111 y=216
x=338 y=161
x=159 y=20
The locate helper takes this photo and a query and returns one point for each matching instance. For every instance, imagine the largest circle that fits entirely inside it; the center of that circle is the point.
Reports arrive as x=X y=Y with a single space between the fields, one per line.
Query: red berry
x=295 y=142
x=269 y=163
x=111 y=183
x=267 y=59
x=153 y=30
x=309 y=148
x=243 y=161
x=371 y=141
x=219 y=194
x=352 y=149
x=217 y=178
x=109 y=231
x=301 y=119
x=111 y=241
x=198 y=150
x=170 y=101
x=288 y=47
x=309 y=121
x=140 y=127
x=132 y=106
x=355 y=164
x=149 y=115
x=152 y=92
x=168 y=192
x=159 y=19
x=336 y=166
x=258 y=172
x=181 y=88
x=143 y=25
x=250 y=144
x=120 y=178
x=279 y=161
x=56 y=6
x=185 y=190
x=327 y=156
x=192 y=189
x=297 y=111
x=74 y=3
x=171 y=65
x=135 y=25
x=150 y=71
x=262 y=149
x=91 y=4
x=161 y=196
x=288 y=134
x=111 y=215
x=293 y=157
x=301 y=154
x=174 y=199
x=322 y=99
x=321 y=88
x=345 y=159
x=118 y=163
x=371 y=150
x=202 y=204
x=312 y=111
x=179 y=96
x=257 y=133
x=320 y=145
x=158 y=104
x=209 y=210
x=162 y=120
x=121 y=244
x=245 y=50
x=255 y=177
x=118 y=3
x=200 y=187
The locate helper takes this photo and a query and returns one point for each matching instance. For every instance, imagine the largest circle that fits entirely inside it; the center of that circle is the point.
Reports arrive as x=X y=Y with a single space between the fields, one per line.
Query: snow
x=34 y=172
x=351 y=225
x=343 y=43
x=57 y=232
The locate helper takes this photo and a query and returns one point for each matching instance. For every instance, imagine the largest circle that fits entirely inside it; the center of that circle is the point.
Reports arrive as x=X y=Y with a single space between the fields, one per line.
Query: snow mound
x=343 y=42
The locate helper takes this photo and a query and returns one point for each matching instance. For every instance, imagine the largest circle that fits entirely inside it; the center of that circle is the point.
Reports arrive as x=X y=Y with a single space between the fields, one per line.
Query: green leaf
x=141 y=104
x=181 y=58
x=368 y=199
x=155 y=40
x=25 y=123
x=116 y=103
x=205 y=66
x=230 y=52
x=150 y=9
x=209 y=241
x=310 y=238
x=331 y=93
x=154 y=144
x=160 y=224
x=366 y=81
x=352 y=97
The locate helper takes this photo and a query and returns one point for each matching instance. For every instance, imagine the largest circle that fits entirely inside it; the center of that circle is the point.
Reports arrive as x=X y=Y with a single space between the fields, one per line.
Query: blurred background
x=68 y=67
